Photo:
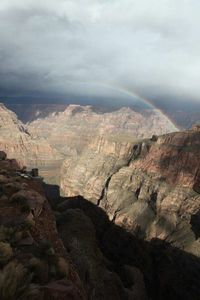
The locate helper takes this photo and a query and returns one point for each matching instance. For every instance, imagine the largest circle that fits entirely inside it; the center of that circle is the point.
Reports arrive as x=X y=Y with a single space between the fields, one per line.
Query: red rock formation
x=176 y=157
x=157 y=194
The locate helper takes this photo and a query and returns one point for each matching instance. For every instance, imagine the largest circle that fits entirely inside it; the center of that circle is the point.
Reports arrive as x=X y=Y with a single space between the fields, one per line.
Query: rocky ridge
x=34 y=263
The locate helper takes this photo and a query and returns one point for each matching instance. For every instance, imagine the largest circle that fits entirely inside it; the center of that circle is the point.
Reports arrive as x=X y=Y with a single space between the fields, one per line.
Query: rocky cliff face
x=157 y=195
x=93 y=167
x=64 y=129
x=119 y=265
x=34 y=263
x=46 y=142
x=88 y=256
x=79 y=131
x=150 y=187
x=30 y=151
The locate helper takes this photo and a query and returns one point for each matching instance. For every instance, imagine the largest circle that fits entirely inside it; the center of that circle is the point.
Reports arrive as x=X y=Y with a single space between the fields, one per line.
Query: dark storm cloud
x=83 y=47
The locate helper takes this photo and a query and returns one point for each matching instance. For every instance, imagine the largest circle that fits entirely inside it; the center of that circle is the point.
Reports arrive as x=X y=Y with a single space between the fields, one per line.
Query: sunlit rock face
x=150 y=187
x=16 y=141
x=47 y=142
x=77 y=125
x=145 y=182
x=157 y=195
x=80 y=131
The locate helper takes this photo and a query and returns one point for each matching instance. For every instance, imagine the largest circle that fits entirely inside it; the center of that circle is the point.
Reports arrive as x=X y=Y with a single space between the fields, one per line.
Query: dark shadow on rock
x=195 y=223
x=168 y=272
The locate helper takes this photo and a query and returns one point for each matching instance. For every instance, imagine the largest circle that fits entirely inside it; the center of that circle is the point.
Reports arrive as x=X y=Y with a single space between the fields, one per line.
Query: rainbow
x=144 y=100
x=131 y=94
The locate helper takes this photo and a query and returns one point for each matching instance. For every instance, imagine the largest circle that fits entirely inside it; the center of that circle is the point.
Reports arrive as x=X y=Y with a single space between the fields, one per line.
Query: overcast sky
x=87 y=46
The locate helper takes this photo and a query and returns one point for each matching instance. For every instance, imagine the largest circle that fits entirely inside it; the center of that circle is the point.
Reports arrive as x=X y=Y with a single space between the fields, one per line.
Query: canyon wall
x=81 y=130
x=150 y=187
x=17 y=142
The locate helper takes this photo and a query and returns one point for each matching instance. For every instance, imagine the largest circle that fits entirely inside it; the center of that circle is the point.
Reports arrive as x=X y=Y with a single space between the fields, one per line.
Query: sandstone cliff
x=150 y=187
x=30 y=151
x=79 y=130
x=46 y=142
x=71 y=130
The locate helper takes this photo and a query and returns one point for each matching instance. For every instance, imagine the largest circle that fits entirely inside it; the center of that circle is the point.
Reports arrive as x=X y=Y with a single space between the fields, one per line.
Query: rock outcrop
x=34 y=263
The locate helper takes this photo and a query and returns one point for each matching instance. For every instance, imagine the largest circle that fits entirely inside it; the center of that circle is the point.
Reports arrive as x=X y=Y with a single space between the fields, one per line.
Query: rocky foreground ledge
x=34 y=263
x=67 y=248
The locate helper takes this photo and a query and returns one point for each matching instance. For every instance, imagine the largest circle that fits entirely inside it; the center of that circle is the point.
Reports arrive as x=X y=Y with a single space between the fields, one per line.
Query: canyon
x=151 y=189
x=48 y=141
x=128 y=208
x=80 y=130
x=54 y=247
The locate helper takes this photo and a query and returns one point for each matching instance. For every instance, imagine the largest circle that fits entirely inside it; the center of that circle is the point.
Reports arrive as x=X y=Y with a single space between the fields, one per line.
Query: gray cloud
x=83 y=47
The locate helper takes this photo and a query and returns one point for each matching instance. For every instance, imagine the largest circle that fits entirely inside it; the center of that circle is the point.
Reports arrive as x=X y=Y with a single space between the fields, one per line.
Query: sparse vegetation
x=44 y=250
x=21 y=201
x=10 y=234
x=62 y=267
x=15 y=282
x=6 y=253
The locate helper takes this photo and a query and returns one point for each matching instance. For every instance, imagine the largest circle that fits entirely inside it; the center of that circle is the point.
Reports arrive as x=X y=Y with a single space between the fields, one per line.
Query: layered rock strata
x=150 y=187
x=73 y=129
x=17 y=142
